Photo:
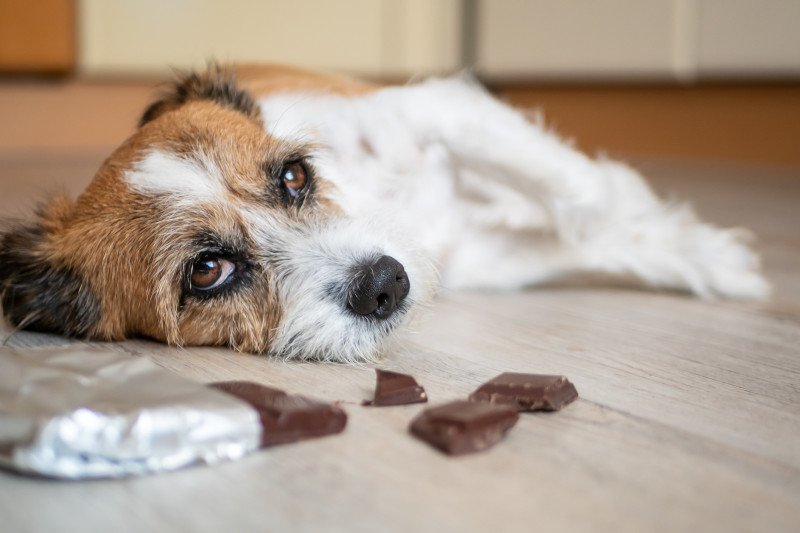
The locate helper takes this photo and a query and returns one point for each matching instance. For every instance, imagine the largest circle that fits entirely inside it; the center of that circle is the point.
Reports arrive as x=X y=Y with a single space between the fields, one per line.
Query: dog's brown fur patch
x=119 y=254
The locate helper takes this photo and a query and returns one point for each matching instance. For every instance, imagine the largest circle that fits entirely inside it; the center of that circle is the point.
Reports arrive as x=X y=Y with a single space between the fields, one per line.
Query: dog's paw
x=721 y=264
x=670 y=248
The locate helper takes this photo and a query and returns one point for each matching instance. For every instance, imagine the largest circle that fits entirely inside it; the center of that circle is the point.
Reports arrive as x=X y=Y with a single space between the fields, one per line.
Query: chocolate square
x=463 y=427
x=394 y=388
x=527 y=392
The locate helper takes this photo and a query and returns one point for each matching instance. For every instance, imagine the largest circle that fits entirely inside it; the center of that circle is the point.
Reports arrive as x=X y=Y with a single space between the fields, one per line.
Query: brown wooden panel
x=757 y=123
x=37 y=35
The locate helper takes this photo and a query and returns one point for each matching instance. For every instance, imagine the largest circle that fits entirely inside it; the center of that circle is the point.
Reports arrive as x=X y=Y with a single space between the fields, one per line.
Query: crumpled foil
x=82 y=412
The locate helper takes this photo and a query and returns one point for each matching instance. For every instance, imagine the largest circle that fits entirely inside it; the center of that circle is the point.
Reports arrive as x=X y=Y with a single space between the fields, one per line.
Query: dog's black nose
x=378 y=288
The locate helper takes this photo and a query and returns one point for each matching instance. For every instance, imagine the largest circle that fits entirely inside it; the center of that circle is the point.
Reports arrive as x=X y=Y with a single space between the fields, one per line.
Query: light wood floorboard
x=689 y=417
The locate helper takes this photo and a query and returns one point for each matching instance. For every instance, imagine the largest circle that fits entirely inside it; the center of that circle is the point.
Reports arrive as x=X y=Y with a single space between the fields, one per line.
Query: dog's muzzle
x=377 y=289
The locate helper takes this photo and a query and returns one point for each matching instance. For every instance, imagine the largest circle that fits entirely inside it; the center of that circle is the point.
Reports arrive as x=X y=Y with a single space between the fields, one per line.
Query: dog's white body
x=306 y=205
x=497 y=201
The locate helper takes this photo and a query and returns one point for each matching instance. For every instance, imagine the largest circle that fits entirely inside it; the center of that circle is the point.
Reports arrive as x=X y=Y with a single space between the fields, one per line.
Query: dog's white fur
x=438 y=175
x=161 y=172
x=313 y=263
x=500 y=202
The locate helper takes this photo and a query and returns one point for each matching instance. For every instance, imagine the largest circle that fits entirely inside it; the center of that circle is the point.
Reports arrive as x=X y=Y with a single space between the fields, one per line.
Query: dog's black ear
x=216 y=83
x=38 y=293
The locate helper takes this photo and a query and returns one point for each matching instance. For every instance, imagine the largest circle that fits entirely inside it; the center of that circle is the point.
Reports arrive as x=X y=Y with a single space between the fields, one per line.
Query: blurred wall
x=616 y=75
x=503 y=39
x=379 y=38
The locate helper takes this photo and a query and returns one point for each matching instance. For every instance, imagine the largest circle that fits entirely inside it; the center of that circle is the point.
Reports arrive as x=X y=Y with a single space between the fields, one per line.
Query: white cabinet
x=574 y=38
x=636 y=39
x=749 y=37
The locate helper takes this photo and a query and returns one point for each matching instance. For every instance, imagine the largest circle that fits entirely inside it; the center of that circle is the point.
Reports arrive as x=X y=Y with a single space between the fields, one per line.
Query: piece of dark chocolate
x=393 y=388
x=463 y=427
x=527 y=392
x=286 y=418
x=252 y=393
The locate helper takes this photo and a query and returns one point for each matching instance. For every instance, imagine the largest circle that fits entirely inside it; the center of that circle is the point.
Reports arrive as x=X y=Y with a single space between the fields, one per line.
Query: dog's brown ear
x=217 y=84
x=38 y=292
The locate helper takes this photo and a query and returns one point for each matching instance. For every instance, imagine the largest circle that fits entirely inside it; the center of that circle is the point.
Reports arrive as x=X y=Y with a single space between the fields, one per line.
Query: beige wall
x=370 y=37
x=510 y=39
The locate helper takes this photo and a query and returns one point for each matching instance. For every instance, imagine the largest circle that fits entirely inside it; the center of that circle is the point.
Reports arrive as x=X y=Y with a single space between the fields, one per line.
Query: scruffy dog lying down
x=280 y=211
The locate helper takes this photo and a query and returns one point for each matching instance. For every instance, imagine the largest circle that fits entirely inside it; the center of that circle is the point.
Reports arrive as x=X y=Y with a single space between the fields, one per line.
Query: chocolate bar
x=393 y=388
x=286 y=418
x=83 y=412
x=463 y=427
x=527 y=392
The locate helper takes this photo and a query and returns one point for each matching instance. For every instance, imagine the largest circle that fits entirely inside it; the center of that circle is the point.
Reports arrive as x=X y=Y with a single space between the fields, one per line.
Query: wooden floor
x=689 y=417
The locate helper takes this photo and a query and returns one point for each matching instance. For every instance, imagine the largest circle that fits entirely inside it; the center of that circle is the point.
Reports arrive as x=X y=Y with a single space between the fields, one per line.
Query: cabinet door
x=565 y=39
x=634 y=39
x=37 y=36
x=746 y=38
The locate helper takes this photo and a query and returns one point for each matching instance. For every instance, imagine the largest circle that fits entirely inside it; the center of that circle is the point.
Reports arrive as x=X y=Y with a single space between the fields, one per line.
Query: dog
x=303 y=215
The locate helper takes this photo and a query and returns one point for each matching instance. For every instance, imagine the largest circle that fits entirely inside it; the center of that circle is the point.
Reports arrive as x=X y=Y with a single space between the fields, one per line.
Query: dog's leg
x=600 y=215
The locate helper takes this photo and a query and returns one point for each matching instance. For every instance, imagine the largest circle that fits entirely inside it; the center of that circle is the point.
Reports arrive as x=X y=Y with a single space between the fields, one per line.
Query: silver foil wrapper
x=81 y=412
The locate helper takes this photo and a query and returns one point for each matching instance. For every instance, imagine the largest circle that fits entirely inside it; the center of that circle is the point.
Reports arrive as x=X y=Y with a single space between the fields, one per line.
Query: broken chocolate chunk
x=286 y=418
x=393 y=388
x=527 y=392
x=463 y=427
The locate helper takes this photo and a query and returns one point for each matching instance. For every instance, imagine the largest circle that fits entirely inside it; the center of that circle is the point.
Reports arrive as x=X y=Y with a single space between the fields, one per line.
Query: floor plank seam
x=697 y=437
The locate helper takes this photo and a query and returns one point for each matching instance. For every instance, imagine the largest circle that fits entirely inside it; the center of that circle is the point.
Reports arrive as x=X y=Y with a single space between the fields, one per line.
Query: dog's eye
x=294 y=178
x=211 y=272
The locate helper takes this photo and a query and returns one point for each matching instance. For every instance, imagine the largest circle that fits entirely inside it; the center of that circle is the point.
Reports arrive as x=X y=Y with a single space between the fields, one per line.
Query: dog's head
x=201 y=229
